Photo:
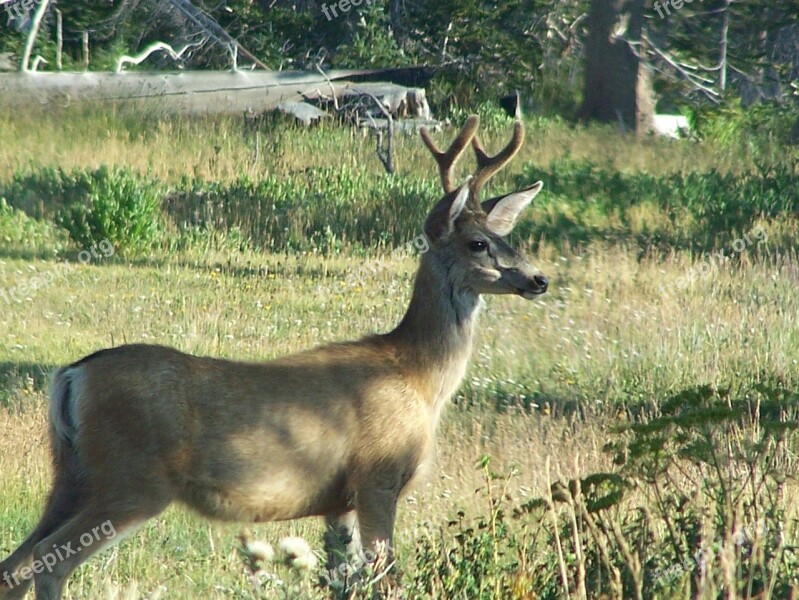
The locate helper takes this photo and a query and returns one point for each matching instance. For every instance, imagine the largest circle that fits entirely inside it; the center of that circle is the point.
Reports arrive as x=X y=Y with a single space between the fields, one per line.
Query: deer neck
x=434 y=339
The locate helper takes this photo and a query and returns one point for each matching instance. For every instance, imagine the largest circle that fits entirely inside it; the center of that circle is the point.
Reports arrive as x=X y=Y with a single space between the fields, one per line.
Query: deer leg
x=62 y=504
x=377 y=510
x=342 y=547
x=16 y=576
x=342 y=539
x=95 y=527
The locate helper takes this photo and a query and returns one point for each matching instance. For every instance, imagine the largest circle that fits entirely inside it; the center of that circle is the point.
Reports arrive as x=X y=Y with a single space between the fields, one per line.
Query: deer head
x=467 y=235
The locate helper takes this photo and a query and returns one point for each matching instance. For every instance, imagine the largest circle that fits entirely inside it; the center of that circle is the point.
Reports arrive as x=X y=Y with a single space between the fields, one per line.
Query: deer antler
x=446 y=160
x=487 y=165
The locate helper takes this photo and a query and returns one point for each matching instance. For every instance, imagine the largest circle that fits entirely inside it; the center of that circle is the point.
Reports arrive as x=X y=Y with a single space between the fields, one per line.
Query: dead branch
x=332 y=89
x=692 y=78
x=384 y=152
x=142 y=56
x=37 y=21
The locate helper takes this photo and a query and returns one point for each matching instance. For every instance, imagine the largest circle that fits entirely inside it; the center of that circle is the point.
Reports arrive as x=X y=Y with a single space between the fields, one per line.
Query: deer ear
x=458 y=203
x=441 y=219
x=503 y=211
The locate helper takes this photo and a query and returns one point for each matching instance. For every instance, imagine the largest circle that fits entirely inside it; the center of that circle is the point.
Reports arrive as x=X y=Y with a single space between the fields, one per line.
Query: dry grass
x=224 y=149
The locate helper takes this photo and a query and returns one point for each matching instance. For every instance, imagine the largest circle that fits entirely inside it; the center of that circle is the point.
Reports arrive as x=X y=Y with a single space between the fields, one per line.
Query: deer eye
x=478 y=246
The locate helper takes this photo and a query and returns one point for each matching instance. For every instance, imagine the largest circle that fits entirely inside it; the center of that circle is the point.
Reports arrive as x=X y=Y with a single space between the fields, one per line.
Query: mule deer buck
x=337 y=431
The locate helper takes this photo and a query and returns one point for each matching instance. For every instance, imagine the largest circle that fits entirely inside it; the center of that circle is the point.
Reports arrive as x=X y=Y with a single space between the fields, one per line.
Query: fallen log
x=188 y=92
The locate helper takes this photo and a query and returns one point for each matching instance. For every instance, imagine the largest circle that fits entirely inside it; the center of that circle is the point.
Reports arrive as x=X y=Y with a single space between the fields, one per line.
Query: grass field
x=631 y=320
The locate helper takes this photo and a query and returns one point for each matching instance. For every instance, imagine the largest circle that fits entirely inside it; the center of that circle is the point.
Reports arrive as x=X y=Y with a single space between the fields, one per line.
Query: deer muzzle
x=527 y=284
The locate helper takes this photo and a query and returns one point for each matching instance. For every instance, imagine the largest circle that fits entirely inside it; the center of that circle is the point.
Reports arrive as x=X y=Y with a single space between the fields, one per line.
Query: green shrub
x=480 y=559
x=762 y=124
x=328 y=209
x=107 y=203
x=373 y=44
x=43 y=193
x=697 y=507
x=119 y=207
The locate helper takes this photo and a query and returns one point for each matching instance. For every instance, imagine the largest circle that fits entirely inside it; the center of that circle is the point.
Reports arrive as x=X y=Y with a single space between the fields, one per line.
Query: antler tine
x=487 y=165
x=446 y=160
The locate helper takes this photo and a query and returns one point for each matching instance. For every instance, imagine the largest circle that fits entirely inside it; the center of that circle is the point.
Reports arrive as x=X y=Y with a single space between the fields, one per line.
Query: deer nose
x=541 y=281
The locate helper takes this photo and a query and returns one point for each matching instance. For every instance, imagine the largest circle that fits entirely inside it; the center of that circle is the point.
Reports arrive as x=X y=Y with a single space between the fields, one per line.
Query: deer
x=339 y=431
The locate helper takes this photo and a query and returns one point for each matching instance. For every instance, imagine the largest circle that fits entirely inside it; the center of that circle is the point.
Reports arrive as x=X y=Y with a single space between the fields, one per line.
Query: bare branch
x=385 y=154
x=332 y=89
x=142 y=56
x=37 y=21
x=692 y=78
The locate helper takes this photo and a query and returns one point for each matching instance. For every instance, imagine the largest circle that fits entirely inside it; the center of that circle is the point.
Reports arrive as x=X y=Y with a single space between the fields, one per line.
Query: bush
x=44 y=193
x=482 y=560
x=697 y=508
x=763 y=125
x=327 y=209
x=372 y=44
x=121 y=208
x=111 y=204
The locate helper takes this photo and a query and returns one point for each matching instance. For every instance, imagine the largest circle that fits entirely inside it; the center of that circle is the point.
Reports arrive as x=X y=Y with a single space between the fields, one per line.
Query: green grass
x=280 y=239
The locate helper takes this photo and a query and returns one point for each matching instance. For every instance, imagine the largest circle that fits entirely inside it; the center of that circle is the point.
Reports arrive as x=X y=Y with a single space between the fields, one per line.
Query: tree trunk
x=617 y=83
x=396 y=20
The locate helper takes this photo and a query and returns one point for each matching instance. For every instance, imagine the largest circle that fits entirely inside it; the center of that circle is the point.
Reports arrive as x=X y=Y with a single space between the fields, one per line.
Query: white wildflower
x=260 y=551
x=298 y=553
